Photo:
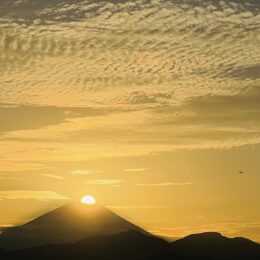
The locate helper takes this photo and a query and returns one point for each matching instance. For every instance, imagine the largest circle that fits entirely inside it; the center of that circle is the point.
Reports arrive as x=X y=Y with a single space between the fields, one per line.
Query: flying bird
x=241 y=172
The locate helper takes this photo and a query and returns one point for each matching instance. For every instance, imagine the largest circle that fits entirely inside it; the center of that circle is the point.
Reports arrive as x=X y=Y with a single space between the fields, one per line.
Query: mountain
x=67 y=224
x=125 y=245
x=77 y=231
x=137 y=245
x=212 y=245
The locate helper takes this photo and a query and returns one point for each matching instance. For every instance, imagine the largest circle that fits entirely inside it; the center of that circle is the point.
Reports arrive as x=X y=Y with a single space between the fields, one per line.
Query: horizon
x=150 y=106
x=80 y=202
x=94 y=210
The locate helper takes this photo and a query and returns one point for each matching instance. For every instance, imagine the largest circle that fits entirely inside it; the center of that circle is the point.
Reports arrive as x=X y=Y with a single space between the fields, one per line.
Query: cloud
x=103 y=182
x=143 y=98
x=126 y=49
x=57 y=177
x=11 y=178
x=30 y=195
x=81 y=172
x=203 y=122
x=246 y=72
x=4 y=226
x=163 y=184
x=135 y=169
x=138 y=207
x=165 y=66
x=19 y=166
x=13 y=118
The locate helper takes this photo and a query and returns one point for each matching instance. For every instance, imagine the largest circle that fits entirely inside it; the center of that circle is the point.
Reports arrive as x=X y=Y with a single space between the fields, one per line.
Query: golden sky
x=151 y=106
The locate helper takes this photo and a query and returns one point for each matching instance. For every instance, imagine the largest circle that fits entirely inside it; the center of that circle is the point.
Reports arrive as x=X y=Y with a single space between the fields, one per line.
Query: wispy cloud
x=11 y=178
x=139 y=207
x=164 y=184
x=53 y=176
x=4 y=226
x=81 y=172
x=34 y=117
x=135 y=169
x=103 y=182
x=19 y=166
x=30 y=195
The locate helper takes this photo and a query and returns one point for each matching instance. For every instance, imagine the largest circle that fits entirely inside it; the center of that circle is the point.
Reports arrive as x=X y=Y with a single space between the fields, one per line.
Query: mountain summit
x=66 y=224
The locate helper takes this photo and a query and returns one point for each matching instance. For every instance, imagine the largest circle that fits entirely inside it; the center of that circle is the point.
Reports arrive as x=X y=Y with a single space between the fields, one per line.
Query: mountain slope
x=66 y=224
x=214 y=245
x=137 y=245
x=125 y=245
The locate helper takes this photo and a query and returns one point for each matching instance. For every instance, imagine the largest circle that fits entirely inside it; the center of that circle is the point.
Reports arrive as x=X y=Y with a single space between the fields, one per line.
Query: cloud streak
x=30 y=195
x=103 y=182
x=52 y=176
x=163 y=184
x=81 y=172
x=135 y=170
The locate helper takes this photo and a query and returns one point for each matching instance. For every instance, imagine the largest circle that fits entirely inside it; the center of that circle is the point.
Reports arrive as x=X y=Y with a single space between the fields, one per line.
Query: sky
x=151 y=106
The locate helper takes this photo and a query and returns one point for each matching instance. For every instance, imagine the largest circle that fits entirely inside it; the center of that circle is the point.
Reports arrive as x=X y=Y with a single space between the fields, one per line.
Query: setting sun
x=89 y=200
x=122 y=115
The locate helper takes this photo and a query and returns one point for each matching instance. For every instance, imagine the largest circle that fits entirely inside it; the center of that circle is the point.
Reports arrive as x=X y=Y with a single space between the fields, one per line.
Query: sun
x=88 y=200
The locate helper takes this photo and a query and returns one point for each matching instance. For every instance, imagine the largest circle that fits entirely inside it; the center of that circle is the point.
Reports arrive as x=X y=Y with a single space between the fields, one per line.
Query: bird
x=241 y=172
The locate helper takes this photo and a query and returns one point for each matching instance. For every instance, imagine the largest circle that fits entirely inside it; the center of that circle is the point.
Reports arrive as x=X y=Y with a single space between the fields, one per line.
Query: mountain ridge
x=133 y=244
x=76 y=231
x=209 y=244
x=66 y=224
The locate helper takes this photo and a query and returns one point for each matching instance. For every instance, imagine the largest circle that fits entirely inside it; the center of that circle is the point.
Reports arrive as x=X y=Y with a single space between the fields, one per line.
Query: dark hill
x=214 y=245
x=76 y=232
x=125 y=245
x=137 y=245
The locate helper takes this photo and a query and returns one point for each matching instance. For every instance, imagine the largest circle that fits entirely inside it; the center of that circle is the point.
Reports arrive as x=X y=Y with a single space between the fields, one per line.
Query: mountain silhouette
x=76 y=231
x=125 y=245
x=137 y=245
x=66 y=224
x=214 y=245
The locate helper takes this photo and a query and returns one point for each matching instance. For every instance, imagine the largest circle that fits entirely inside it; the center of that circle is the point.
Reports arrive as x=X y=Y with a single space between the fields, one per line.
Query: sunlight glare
x=89 y=200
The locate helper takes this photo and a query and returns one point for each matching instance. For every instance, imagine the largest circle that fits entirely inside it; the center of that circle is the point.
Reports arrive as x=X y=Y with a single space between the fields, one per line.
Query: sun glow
x=89 y=200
